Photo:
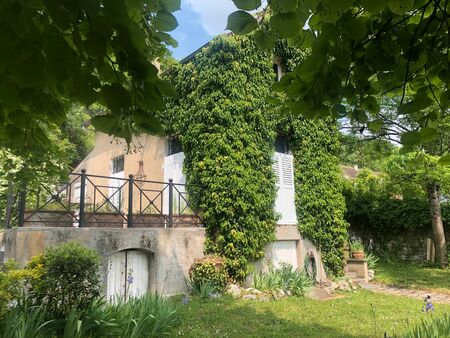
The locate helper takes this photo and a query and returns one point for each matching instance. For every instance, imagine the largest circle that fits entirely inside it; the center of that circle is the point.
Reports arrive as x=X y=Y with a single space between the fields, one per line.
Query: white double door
x=128 y=274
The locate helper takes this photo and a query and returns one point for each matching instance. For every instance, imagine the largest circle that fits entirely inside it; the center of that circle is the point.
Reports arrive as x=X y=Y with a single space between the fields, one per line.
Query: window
x=118 y=164
x=174 y=145
x=281 y=144
x=278 y=68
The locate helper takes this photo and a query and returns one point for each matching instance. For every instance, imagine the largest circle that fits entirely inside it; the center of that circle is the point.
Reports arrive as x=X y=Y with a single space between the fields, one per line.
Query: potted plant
x=357 y=249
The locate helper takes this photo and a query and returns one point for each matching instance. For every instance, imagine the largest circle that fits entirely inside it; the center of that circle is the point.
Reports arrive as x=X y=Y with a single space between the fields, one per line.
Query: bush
x=13 y=283
x=286 y=278
x=69 y=278
x=208 y=273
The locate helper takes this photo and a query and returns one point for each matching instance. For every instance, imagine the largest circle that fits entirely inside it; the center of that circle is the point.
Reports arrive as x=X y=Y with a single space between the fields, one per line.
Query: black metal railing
x=88 y=200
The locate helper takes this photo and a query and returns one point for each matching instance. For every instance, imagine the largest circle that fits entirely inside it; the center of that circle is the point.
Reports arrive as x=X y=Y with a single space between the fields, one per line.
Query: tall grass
x=148 y=316
x=438 y=326
x=285 y=278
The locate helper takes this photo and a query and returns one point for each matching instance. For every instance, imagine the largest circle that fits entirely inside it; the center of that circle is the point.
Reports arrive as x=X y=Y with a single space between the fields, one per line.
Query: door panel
x=137 y=273
x=284 y=252
x=116 y=275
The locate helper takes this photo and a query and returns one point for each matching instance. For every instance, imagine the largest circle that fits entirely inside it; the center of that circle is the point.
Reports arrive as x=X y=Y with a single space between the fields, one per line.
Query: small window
x=277 y=68
x=281 y=144
x=174 y=145
x=118 y=164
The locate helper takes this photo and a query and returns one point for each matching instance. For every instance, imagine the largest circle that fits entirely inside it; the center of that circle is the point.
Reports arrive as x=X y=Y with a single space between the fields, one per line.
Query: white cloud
x=213 y=13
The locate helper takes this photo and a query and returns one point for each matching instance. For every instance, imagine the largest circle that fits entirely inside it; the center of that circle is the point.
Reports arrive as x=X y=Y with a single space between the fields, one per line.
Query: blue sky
x=198 y=22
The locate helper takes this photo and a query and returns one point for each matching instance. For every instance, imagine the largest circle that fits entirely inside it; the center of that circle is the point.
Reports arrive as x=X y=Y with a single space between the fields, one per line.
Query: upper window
x=278 y=68
x=118 y=164
x=174 y=145
x=281 y=144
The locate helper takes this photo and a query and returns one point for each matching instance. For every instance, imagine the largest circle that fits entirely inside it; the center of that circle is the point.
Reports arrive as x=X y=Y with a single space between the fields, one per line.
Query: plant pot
x=358 y=254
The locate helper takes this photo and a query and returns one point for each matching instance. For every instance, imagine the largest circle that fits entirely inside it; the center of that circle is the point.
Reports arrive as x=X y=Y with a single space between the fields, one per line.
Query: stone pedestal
x=359 y=267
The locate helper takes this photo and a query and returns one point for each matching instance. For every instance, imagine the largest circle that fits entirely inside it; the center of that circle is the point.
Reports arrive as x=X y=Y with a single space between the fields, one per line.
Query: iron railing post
x=170 y=202
x=82 y=198
x=130 y=201
x=22 y=204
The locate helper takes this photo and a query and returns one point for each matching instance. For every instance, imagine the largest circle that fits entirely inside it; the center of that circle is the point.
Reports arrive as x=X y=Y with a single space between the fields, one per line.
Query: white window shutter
x=285 y=202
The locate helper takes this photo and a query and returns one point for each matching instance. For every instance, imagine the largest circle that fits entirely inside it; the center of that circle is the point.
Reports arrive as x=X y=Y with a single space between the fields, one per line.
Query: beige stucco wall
x=172 y=250
x=304 y=246
x=149 y=149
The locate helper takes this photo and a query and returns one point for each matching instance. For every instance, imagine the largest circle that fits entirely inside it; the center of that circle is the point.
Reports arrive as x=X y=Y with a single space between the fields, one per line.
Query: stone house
x=140 y=228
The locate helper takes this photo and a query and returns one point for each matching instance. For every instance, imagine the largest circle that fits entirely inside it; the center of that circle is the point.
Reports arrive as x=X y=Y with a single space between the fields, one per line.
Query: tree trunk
x=9 y=203
x=433 y=191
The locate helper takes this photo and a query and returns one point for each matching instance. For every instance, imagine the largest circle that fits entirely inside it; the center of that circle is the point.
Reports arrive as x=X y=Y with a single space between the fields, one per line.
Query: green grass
x=350 y=316
x=413 y=276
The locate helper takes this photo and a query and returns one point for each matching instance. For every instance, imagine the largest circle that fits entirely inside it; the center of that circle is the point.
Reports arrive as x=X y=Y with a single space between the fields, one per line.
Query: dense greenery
x=69 y=278
x=319 y=202
x=361 y=50
x=149 y=316
x=107 y=48
x=382 y=207
x=286 y=278
x=221 y=117
x=208 y=272
x=364 y=153
x=227 y=129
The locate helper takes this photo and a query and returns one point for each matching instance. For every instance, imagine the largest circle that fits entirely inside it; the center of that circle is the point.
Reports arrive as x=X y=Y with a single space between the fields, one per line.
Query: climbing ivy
x=220 y=115
x=319 y=202
x=227 y=130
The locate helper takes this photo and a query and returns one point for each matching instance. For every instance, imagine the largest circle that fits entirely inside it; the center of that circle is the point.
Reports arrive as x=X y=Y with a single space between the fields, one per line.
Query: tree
x=361 y=50
x=55 y=53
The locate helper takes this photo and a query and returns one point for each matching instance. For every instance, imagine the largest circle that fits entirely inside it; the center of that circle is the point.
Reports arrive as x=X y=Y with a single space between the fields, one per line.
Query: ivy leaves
x=57 y=53
x=362 y=51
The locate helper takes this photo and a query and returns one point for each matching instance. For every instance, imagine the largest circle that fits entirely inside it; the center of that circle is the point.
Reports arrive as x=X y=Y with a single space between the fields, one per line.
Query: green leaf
x=9 y=97
x=444 y=160
x=241 y=22
x=265 y=39
x=166 y=88
x=420 y=102
x=283 y=6
x=147 y=123
x=29 y=73
x=375 y=125
x=401 y=6
x=371 y=104
x=165 y=22
x=105 y=123
x=167 y=39
x=171 y=5
x=374 y=6
x=247 y=5
x=428 y=134
x=286 y=25
x=410 y=138
x=356 y=28
x=116 y=97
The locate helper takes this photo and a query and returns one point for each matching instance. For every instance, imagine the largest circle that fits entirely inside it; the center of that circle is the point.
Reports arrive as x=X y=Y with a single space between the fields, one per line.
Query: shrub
x=285 y=278
x=13 y=283
x=69 y=278
x=208 y=272
x=372 y=260
x=356 y=246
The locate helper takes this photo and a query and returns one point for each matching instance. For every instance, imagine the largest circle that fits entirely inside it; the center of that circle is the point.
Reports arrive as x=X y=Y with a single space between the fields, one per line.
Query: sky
x=198 y=22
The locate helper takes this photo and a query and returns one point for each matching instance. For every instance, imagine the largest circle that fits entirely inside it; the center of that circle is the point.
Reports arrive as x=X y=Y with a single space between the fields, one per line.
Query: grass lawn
x=413 y=276
x=350 y=316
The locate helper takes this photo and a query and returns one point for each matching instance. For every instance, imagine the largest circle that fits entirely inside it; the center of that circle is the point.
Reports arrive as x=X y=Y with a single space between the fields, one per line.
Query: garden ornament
x=428 y=306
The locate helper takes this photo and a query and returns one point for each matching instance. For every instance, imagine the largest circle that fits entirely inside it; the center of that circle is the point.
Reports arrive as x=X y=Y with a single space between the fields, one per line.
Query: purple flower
x=130 y=279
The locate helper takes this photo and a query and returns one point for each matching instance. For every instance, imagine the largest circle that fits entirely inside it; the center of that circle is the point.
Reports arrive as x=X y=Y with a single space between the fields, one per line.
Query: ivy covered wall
x=220 y=116
x=227 y=130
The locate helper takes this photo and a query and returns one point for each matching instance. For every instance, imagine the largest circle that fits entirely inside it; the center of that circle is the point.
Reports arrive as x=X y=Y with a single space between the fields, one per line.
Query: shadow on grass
x=228 y=318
